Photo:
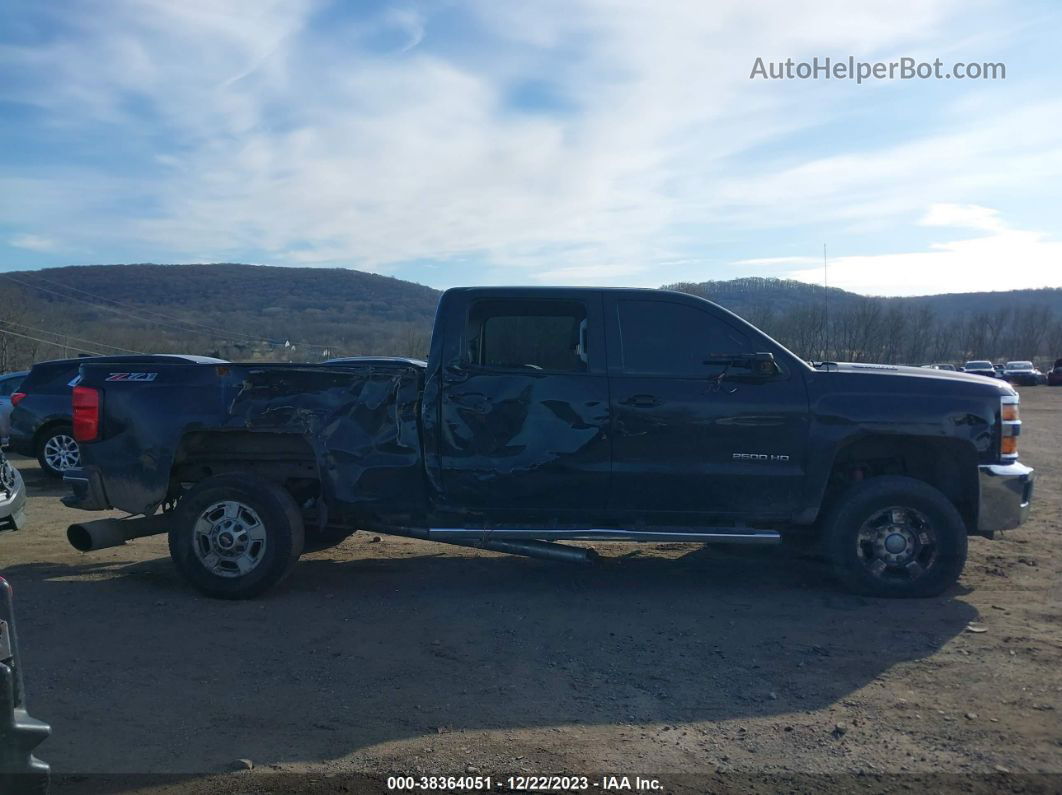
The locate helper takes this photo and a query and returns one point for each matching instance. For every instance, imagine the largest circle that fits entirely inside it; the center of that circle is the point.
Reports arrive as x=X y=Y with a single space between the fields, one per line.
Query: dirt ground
x=707 y=668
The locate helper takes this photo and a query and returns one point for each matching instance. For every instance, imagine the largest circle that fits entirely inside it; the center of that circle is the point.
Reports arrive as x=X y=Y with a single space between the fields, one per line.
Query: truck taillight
x=86 y=404
x=16 y=398
x=1010 y=427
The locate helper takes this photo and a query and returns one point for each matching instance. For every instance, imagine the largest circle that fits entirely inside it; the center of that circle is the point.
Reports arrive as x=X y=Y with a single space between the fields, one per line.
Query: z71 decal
x=132 y=376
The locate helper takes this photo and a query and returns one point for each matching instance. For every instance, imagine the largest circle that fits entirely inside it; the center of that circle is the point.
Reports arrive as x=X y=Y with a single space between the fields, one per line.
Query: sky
x=550 y=142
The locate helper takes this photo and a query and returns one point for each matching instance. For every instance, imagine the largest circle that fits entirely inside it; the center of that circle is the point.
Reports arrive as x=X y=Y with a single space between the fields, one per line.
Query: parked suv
x=1054 y=378
x=41 y=423
x=9 y=382
x=1022 y=374
x=980 y=367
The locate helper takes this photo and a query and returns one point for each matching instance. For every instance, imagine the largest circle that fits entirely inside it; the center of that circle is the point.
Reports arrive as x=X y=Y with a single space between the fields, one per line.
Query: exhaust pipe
x=104 y=533
x=532 y=549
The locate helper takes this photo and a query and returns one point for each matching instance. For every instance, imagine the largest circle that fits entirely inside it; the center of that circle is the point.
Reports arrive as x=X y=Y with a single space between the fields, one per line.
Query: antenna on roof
x=826 y=302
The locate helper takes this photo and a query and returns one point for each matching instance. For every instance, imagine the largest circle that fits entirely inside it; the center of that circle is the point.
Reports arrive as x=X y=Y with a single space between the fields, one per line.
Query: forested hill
x=754 y=295
x=238 y=311
x=248 y=312
x=1018 y=324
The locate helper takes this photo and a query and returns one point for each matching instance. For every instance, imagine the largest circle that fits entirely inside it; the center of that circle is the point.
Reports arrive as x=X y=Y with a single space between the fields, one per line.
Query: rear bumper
x=21 y=444
x=86 y=488
x=1006 y=494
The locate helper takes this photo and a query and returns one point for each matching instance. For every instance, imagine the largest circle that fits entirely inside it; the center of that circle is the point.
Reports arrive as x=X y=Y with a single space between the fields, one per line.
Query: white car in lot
x=12 y=497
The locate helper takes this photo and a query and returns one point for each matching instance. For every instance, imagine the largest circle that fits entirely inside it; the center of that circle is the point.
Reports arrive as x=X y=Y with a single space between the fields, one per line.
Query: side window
x=532 y=335
x=664 y=338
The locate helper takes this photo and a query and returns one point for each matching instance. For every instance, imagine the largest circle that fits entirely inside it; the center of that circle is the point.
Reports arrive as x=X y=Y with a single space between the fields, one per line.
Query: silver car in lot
x=9 y=383
x=12 y=497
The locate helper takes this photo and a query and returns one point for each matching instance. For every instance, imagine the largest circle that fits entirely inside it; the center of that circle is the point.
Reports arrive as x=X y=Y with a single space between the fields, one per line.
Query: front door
x=687 y=436
x=524 y=413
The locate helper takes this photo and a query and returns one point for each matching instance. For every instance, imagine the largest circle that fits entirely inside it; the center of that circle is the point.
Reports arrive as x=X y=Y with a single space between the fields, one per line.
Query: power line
x=50 y=342
x=134 y=307
x=226 y=334
x=73 y=298
x=97 y=343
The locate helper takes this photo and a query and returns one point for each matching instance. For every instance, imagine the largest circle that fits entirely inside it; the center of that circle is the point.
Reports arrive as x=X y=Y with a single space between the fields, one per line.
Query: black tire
x=863 y=549
x=52 y=439
x=279 y=525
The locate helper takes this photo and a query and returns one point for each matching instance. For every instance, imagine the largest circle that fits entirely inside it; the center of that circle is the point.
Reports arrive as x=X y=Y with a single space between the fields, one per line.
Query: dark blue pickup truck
x=546 y=415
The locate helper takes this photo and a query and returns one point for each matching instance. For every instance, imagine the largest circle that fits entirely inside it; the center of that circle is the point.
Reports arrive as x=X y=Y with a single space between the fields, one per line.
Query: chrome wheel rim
x=897 y=544
x=61 y=452
x=229 y=539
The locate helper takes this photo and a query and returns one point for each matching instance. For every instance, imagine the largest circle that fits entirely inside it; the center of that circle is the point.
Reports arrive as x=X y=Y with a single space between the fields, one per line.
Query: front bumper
x=1006 y=494
x=12 y=500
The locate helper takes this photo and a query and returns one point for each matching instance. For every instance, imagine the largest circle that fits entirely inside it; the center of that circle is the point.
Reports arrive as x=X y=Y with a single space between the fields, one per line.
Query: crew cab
x=547 y=415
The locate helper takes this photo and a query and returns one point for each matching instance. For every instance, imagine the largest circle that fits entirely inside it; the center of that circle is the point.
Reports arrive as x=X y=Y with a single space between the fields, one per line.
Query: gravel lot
x=705 y=667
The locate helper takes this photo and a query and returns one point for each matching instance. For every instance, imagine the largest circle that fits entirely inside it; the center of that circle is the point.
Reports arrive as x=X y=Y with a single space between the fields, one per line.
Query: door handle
x=642 y=401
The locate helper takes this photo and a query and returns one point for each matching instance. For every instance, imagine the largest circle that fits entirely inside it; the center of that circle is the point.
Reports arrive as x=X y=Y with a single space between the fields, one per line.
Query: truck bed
x=355 y=421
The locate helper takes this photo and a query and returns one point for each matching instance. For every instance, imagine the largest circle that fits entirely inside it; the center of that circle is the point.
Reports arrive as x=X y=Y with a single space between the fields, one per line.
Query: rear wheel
x=57 y=450
x=236 y=536
x=895 y=536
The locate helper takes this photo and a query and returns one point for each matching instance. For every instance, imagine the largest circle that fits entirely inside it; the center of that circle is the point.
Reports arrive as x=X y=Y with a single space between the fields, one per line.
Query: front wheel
x=236 y=536
x=58 y=451
x=895 y=536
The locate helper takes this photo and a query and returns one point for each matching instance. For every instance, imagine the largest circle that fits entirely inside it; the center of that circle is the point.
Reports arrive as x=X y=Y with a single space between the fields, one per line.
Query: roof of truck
x=132 y=359
x=377 y=360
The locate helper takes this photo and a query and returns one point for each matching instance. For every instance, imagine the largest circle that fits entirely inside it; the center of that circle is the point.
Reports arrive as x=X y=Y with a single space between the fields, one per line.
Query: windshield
x=1019 y=365
x=979 y=365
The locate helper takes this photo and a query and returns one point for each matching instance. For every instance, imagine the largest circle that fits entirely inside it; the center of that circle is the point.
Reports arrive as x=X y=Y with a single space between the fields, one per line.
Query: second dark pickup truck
x=546 y=415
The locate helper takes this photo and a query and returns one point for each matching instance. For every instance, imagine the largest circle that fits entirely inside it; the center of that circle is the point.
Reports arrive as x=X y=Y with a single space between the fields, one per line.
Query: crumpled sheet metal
x=361 y=422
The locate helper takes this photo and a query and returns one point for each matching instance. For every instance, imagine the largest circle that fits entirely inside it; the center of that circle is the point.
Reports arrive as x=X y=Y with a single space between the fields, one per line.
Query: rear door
x=689 y=438
x=525 y=407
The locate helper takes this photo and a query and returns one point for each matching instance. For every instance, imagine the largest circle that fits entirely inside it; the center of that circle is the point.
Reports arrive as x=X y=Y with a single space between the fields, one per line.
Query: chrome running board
x=724 y=535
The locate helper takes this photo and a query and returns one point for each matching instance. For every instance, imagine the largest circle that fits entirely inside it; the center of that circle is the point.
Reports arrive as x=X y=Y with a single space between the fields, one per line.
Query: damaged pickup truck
x=546 y=415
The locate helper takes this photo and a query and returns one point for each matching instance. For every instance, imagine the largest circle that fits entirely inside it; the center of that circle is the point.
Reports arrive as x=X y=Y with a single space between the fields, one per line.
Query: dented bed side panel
x=361 y=421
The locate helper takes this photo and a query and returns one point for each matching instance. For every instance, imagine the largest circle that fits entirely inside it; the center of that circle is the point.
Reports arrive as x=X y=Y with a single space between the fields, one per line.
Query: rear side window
x=664 y=338
x=528 y=335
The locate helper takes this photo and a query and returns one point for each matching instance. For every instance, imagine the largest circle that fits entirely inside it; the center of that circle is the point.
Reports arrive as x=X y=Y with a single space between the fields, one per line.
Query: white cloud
x=33 y=242
x=963 y=216
x=1003 y=259
x=292 y=144
x=775 y=261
